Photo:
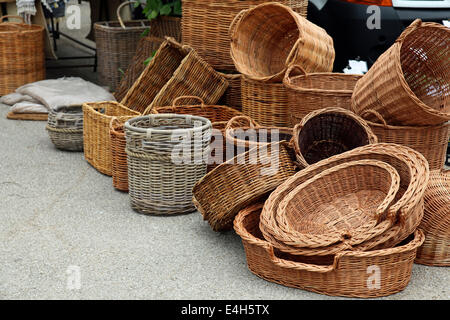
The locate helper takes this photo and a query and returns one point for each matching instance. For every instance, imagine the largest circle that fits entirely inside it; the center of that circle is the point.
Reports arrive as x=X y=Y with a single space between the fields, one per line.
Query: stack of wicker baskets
x=404 y=98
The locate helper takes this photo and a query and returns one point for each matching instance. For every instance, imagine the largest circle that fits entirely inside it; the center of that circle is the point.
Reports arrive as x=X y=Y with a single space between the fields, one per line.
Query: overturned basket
x=348 y=273
x=167 y=155
x=97 y=141
x=309 y=92
x=409 y=84
x=238 y=182
x=327 y=132
x=65 y=128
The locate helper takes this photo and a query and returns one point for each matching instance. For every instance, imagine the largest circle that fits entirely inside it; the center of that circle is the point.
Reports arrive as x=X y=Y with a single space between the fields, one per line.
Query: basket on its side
x=270 y=37
x=65 y=127
x=408 y=208
x=205 y=25
x=146 y=48
x=436 y=221
x=266 y=103
x=118 y=154
x=238 y=182
x=22 y=57
x=327 y=132
x=175 y=70
x=97 y=142
x=243 y=133
x=218 y=115
x=232 y=96
x=166 y=156
x=348 y=273
x=117 y=42
x=409 y=84
x=309 y=92
x=431 y=141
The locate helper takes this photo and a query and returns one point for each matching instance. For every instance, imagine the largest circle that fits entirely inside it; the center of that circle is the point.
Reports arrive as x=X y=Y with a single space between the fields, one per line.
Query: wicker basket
x=269 y=38
x=232 y=96
x=436 y=221
x=22 y=58
x=349 y=274
x=65 y=128
x=307 y=93
x=118 y=154
x=205 y=26
x=409 y=85
x=166 y=26
x=97 y=142
x=408 y=208
x=266 y=103
x=218 y=115
x=238 y=182
x=243 y=133
x=167 y=155
x=174 y=71
x=117 y=42
x=431 y=141
x=146 y=48
x=347 y=203
x=326 y=132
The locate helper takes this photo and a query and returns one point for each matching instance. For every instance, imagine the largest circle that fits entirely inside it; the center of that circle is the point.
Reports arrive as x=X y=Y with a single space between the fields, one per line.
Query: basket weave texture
x=22 y=58
x=65 y=128
x=345 y=274
x=174 y=71
x=97 y=142
x=409 y=84
x=205 y=25
x=118 y=154
x=232 y=96
x=309 y=92
x=160 y=173
x=270 y=37
x=436 y=221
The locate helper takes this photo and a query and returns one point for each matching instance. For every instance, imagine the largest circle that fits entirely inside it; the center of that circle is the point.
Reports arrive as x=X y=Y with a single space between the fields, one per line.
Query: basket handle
x=119 y=8
x=236 y=19
x=413 y=26
x=376 y=114
x=174 y=103
x=287 y=76
x=286 y=264
x=16 y=17
x=294 y=50
x=251 y=122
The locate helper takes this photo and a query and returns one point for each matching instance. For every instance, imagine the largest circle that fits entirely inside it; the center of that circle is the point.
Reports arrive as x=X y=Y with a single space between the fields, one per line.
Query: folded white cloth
x=28 y=107
x=15 y=97
x=70 y=91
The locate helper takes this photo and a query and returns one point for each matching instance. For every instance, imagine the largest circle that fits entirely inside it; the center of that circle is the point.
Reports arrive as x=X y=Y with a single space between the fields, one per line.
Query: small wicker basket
x=167 y=155
x=65 y=128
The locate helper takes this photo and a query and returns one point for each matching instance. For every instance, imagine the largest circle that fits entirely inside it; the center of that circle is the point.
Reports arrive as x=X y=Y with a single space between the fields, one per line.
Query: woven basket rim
x=290 y=85
x=102 y=25
x=24 y=28
x=129 y=124
x=94 y=106
x=415 y=128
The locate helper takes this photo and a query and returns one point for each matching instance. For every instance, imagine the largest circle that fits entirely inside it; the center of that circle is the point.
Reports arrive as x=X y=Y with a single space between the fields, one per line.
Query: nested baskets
x=175 y=70
x=167 y=155
x=264 y=102
x=409 y=84
x=218 y=115
x=310 y=92
x=267 y=39
x=329 y=131
x=146 y=48
x=436 y=221
x=360 y=274
x=65 y=127
x=238 y=182
x=22 y=58
x=232 y=96
x=205 y=25
x=345 y=203
x=431 y=141
x=97 y=142
x=407 y=210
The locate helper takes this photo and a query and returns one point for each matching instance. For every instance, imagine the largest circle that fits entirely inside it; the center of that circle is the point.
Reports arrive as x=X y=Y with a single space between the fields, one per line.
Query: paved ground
x=58 y=214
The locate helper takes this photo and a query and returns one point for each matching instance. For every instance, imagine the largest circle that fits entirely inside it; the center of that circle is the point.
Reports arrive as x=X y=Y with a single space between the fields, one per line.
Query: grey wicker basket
x=166 y=154
x=65 y=127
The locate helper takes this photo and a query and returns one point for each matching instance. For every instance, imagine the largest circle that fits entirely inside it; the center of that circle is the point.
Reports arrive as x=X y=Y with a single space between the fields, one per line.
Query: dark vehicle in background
x=351 y=24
